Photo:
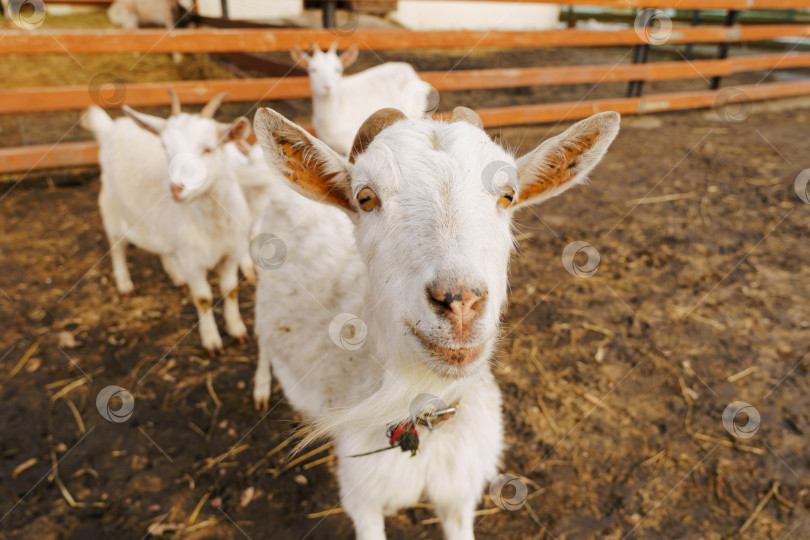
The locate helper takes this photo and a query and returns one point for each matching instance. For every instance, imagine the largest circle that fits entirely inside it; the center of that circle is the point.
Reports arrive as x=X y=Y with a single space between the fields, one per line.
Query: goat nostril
x=462 y=302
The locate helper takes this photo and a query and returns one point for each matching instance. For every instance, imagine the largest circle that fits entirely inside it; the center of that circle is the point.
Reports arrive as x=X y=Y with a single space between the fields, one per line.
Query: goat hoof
x=242 y=339
x=211 y=353
x=130 y=294
x=262 y=405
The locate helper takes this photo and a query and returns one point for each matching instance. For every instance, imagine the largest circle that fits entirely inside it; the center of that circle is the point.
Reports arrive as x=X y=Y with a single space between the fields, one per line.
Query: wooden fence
x=32 y=100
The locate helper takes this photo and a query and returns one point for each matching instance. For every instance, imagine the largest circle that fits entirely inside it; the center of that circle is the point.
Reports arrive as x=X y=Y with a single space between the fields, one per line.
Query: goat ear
x=237 y=131
x=312 y=168
x=564 y=161
x=349 y=56
x=155 y=124
x=299 y=56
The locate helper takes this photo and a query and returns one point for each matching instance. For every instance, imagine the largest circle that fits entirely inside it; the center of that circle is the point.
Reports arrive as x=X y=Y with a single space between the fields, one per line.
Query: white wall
x=456 y=15
x=252 y=9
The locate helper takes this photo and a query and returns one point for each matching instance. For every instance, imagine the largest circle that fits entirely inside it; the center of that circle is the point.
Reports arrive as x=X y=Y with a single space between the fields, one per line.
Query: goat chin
x=390 y=401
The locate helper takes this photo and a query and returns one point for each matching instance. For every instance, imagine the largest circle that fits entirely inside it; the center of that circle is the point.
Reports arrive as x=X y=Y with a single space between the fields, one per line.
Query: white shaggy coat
x=341 y=104
x=206 y=228
x=435 y=216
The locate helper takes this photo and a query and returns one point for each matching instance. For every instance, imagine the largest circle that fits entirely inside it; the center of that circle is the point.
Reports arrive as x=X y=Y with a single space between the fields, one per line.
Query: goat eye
x=507 y=197
x=207 y=150
x=367 y=199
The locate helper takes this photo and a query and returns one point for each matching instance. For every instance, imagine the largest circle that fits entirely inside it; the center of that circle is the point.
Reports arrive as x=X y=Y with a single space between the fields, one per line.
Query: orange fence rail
x=261 y=40
x=43 y=99
x=86 y=153
x=58 y=41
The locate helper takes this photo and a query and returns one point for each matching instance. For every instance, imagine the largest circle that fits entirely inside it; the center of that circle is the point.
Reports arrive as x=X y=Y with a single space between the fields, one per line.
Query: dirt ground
x=614 y=384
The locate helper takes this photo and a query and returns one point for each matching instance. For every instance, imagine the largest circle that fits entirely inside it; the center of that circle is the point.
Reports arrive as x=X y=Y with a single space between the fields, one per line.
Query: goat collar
x=405 y=436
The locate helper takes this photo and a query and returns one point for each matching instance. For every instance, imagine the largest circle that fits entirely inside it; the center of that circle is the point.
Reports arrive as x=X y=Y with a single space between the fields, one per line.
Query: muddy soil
x=614 y=384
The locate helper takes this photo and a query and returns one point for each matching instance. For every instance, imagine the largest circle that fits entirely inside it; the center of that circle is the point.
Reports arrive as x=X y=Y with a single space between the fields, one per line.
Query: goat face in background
x=433 y=204
x=193 y=145
x=325 y=68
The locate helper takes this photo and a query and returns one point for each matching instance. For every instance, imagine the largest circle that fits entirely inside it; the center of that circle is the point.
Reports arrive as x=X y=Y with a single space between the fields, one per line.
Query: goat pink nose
x=458 y=302
x=177 y=191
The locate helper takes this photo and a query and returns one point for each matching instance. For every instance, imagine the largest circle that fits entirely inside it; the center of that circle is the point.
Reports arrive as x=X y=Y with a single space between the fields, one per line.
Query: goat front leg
x=229 y=283
x=457 y=519
x=172 y=268
x=365 y=511
x=202 y=298
x=248 y=268
x=118 y=254
x=261 y=382
x=369 y=523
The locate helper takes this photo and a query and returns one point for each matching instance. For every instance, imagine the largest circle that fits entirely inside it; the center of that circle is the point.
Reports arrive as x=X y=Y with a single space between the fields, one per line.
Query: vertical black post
x=570 y=17
x=722 y=51
x=641 y=53
x=689 y=54
x=224 y=4
x=329 y=8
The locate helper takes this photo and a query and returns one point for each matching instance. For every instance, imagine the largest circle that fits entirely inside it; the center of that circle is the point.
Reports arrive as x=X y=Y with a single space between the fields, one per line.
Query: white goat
x=254 y=177
x=133 y=14
x=415 y=242
x=341 y=104
x=146 y=162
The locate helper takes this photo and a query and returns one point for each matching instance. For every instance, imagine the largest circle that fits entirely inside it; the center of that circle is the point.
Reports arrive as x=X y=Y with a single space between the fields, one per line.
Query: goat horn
x=175 y=103
x=212 y=106
x=463 y=114
x=316 y=48
x=373 y=125
x=333 y=47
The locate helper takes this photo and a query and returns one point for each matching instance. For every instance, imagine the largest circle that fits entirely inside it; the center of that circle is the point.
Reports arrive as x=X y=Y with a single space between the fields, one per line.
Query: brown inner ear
x=559 y=168
x=308 y=178
x=373 y=125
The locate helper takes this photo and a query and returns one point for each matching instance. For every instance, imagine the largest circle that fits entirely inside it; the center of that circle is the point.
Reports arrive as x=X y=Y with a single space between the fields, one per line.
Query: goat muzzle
x=459 y=303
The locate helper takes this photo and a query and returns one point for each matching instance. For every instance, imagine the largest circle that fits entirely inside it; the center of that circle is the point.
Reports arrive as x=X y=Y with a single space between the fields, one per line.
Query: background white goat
x=146 y=162
x=413 y=246
x=132 y=14
x=341 y=104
